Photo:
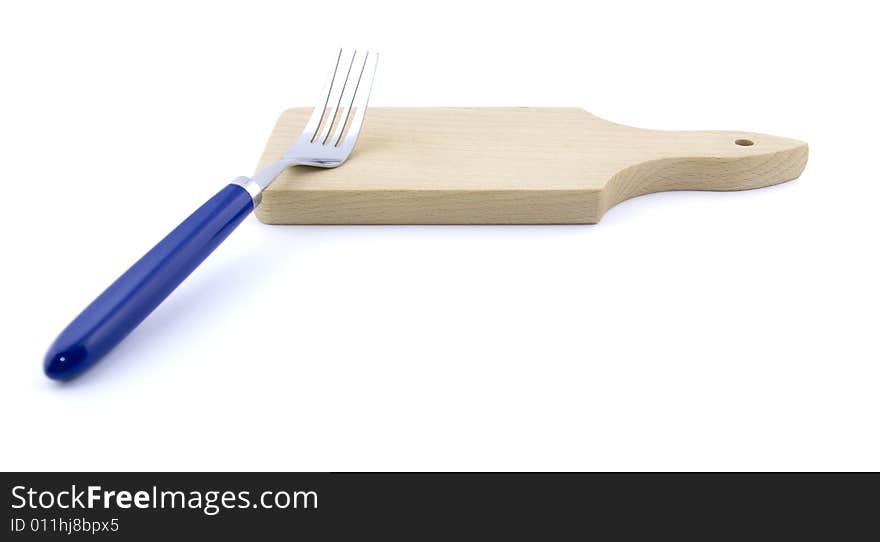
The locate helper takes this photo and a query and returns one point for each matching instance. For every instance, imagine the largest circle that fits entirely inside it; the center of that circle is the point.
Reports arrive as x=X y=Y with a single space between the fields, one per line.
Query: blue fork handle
x=134 y=295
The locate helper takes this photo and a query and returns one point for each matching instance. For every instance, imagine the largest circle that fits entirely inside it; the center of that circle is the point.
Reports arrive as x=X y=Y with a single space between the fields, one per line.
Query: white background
x=685 y=331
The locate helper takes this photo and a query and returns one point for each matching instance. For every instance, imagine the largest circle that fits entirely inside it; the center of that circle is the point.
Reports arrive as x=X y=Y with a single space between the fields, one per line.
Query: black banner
x=461 y=506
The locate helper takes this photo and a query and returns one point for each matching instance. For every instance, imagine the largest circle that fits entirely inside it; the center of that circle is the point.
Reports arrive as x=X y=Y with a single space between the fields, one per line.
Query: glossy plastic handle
x=134 y=295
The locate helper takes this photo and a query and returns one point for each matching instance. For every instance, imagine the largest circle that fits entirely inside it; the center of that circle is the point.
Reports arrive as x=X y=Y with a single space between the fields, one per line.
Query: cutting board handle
x=715 y=160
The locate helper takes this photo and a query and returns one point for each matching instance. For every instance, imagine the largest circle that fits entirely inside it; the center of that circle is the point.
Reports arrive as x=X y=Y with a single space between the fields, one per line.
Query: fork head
x=335 y=123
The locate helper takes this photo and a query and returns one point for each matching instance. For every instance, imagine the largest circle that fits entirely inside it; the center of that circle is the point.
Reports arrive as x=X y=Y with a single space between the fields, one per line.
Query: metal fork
x=327 y=141
x=342 y=105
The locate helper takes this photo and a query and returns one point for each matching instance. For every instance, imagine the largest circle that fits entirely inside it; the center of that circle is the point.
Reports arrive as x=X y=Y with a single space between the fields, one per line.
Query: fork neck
x=262 y=179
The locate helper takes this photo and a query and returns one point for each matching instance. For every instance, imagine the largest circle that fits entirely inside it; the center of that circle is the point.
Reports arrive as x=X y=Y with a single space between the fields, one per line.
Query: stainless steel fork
x=335 y=123
x=327 y=141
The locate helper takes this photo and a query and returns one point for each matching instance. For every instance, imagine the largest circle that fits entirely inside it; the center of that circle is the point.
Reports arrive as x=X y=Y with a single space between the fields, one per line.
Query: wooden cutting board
x=519 y=165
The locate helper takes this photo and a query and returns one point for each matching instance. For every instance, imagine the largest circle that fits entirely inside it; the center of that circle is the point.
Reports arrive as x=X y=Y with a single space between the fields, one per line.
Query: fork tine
x=321 y=107
x=343 y=72
x=348 y=97
x=361 y=99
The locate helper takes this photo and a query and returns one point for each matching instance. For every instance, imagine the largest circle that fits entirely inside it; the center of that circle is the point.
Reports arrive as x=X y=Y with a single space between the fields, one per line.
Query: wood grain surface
x=510 y=166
